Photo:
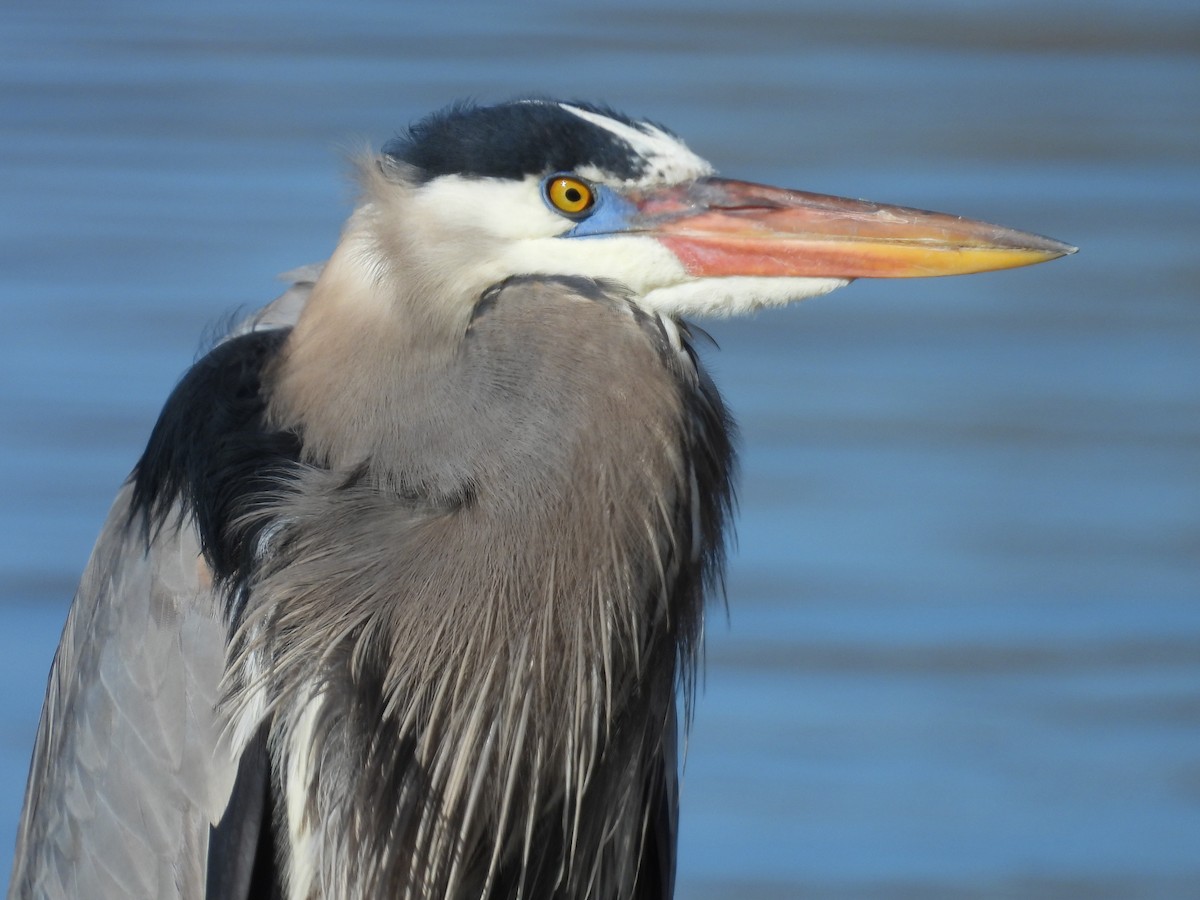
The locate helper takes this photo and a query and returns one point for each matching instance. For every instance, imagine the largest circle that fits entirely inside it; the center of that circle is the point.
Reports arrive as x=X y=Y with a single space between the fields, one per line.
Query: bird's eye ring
x=569 y=195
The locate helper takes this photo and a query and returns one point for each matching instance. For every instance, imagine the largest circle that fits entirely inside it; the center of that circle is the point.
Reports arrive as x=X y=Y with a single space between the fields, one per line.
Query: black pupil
x=573 y=195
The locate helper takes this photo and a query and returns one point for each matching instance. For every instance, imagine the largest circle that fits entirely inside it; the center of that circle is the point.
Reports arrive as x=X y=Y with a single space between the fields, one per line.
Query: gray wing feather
x=129 y=769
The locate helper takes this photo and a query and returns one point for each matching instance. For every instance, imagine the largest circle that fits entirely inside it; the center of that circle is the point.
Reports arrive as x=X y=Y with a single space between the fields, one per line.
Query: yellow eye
x=570 y=195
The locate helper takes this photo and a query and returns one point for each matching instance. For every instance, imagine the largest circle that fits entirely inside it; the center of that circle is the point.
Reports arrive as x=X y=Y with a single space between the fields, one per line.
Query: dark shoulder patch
x=210 y=450
x=512 y=140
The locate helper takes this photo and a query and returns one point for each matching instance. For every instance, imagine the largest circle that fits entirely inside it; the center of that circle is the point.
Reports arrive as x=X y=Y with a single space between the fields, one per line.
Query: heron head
x=542 y=187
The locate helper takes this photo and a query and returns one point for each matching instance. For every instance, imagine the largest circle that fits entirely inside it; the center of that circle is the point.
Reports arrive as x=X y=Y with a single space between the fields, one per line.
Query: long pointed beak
x=720 y=227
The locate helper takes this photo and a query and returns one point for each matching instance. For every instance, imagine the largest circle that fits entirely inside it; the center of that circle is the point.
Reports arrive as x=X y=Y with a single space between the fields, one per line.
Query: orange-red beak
x=720 y=227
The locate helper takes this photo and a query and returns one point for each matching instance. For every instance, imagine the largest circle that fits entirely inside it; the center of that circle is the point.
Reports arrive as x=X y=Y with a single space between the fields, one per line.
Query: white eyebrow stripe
x=669 y=159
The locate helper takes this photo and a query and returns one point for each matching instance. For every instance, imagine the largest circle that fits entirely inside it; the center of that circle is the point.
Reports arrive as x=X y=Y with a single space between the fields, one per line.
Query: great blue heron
x=399 y=598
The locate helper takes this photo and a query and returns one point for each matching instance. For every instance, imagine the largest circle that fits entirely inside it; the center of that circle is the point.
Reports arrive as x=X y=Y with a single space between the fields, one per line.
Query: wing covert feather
x=129 y=770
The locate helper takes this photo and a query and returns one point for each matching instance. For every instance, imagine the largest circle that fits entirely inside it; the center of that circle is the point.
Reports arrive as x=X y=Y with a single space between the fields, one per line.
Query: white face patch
x=640 y=263
x=668 y=159
x=475 y=232
x=499 y=207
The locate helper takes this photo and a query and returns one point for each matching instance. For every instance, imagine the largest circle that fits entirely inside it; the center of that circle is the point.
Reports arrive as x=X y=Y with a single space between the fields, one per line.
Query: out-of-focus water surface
x=962 y=656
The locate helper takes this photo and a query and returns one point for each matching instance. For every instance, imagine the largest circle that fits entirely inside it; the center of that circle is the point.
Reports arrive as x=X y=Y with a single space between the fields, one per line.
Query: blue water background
x=962 y=652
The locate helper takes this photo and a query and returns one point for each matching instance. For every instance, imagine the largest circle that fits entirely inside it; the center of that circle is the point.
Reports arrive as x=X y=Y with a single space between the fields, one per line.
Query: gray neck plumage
x=528 y=508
